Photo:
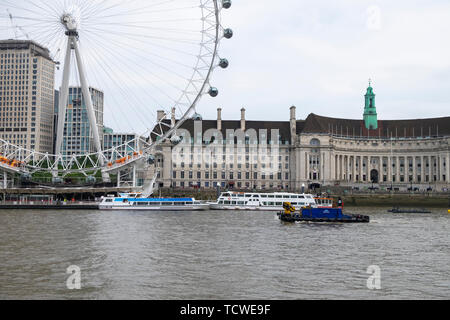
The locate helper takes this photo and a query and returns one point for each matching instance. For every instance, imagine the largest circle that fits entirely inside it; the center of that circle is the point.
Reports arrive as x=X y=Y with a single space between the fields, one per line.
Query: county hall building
x=321 y=150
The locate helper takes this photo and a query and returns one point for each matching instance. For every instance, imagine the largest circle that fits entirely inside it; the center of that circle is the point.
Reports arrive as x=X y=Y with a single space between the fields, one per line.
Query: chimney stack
x=243 y=119
x=161 y=114
x=293 y=113
x=173 y=117
x=293 y=124
x=219 y=119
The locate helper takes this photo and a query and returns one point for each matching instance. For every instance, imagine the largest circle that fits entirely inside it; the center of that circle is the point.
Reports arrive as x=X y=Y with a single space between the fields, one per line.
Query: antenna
x=16 y=27
x=12 y=24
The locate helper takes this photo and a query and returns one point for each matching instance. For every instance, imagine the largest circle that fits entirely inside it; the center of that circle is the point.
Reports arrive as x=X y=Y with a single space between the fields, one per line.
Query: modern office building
x=27 y=76
x=78 y=136
x=112 y=139
x=317 y=150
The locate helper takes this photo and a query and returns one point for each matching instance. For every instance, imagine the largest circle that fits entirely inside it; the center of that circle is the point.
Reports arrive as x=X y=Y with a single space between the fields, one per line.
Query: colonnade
x=392 y=168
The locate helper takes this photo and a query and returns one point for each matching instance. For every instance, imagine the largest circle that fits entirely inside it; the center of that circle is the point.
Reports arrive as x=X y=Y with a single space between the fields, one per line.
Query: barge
x=309 y=214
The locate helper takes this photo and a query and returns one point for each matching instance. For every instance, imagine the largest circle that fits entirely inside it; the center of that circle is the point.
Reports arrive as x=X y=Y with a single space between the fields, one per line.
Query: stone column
x=381 y=171
x=447 y=165
x=347 y=168
x=335 y=175
x=422 y=169
x=307 y=166
x=361 y=160
x=389 y=169
x=397 y=178
x=338 y=168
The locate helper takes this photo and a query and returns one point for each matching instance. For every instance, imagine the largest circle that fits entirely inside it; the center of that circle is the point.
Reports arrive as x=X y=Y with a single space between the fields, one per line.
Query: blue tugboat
x=309 y=214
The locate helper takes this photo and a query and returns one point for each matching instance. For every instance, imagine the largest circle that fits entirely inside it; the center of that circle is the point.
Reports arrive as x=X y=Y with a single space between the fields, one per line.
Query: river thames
x=222 y=255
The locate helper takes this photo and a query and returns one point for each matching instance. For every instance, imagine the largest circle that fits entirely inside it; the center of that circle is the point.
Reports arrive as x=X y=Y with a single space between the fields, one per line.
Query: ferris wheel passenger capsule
x=91 y=179
x=151 y=159
x=228 y=33
x=226 y=4
x=213 y=92
x=57 y=180
x=175 y=140
x=25 y=177
x=224 y=63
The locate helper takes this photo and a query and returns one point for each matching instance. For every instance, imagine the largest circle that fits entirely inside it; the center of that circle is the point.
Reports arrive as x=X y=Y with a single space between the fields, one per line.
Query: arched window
x=315 y=142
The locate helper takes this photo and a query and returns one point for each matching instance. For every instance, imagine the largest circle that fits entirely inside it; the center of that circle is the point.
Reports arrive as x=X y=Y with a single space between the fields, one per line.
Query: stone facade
x=326 y=151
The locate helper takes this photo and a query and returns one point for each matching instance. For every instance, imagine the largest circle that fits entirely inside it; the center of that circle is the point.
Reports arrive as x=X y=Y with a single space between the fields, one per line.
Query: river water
x=222 y=255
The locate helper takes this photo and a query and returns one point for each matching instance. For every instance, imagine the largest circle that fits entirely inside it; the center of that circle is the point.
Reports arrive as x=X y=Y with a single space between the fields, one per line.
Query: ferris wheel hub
x=69 y=22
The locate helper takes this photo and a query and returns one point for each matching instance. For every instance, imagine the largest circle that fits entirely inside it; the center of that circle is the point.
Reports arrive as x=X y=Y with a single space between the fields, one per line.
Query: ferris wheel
x=150 y=61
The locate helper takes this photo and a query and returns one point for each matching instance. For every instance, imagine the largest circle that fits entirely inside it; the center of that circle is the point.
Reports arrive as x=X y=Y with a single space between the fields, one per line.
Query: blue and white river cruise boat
x=135 y=201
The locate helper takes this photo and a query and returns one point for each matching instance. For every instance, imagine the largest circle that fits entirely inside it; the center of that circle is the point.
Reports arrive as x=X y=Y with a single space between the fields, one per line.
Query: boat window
x=226 y=194
x=181 y=203
x=279 y=204
x=220 y=202
x=301 y=197
x=271 y=203
x=155 y=204
x=286 y=197
x=240 y=195
x=233 y=202
x=167 y=203
x=142 y=203
x=294 y=203
x=226 y=202
x=241 y=202
x=108 y=200
x=264 y=203
x=271 y=196
x=256 y=196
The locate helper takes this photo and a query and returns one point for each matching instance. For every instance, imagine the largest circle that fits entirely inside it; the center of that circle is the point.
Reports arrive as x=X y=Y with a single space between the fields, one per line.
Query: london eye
x=152 y=60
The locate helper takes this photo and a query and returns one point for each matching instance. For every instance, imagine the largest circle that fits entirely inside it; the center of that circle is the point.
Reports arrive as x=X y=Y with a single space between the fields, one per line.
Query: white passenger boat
x=135 y=201
x=261 y=201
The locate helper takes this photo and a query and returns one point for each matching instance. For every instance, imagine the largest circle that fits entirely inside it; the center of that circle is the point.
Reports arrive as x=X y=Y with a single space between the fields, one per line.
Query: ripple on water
x=221 y=255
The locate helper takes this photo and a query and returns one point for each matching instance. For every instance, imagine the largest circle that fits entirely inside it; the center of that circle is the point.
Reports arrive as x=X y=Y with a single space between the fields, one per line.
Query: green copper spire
x=370 y=111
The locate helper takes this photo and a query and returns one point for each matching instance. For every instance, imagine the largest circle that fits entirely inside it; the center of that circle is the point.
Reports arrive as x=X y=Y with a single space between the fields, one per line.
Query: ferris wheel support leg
x=134 y=176
x=5 y=180
x=64 y=94
x=90 y=109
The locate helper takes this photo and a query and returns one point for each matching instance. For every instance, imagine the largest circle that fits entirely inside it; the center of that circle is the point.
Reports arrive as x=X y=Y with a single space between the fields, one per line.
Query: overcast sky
x=318 y=55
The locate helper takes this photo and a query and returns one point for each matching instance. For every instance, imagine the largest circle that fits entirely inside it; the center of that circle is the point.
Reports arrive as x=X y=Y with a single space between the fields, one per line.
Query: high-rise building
x=27 y=75
x=78 y=136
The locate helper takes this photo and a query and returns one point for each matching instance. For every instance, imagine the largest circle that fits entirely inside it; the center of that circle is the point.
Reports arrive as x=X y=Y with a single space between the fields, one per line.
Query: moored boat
x=260 y=201
x=133 y=201
x=405 y=210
